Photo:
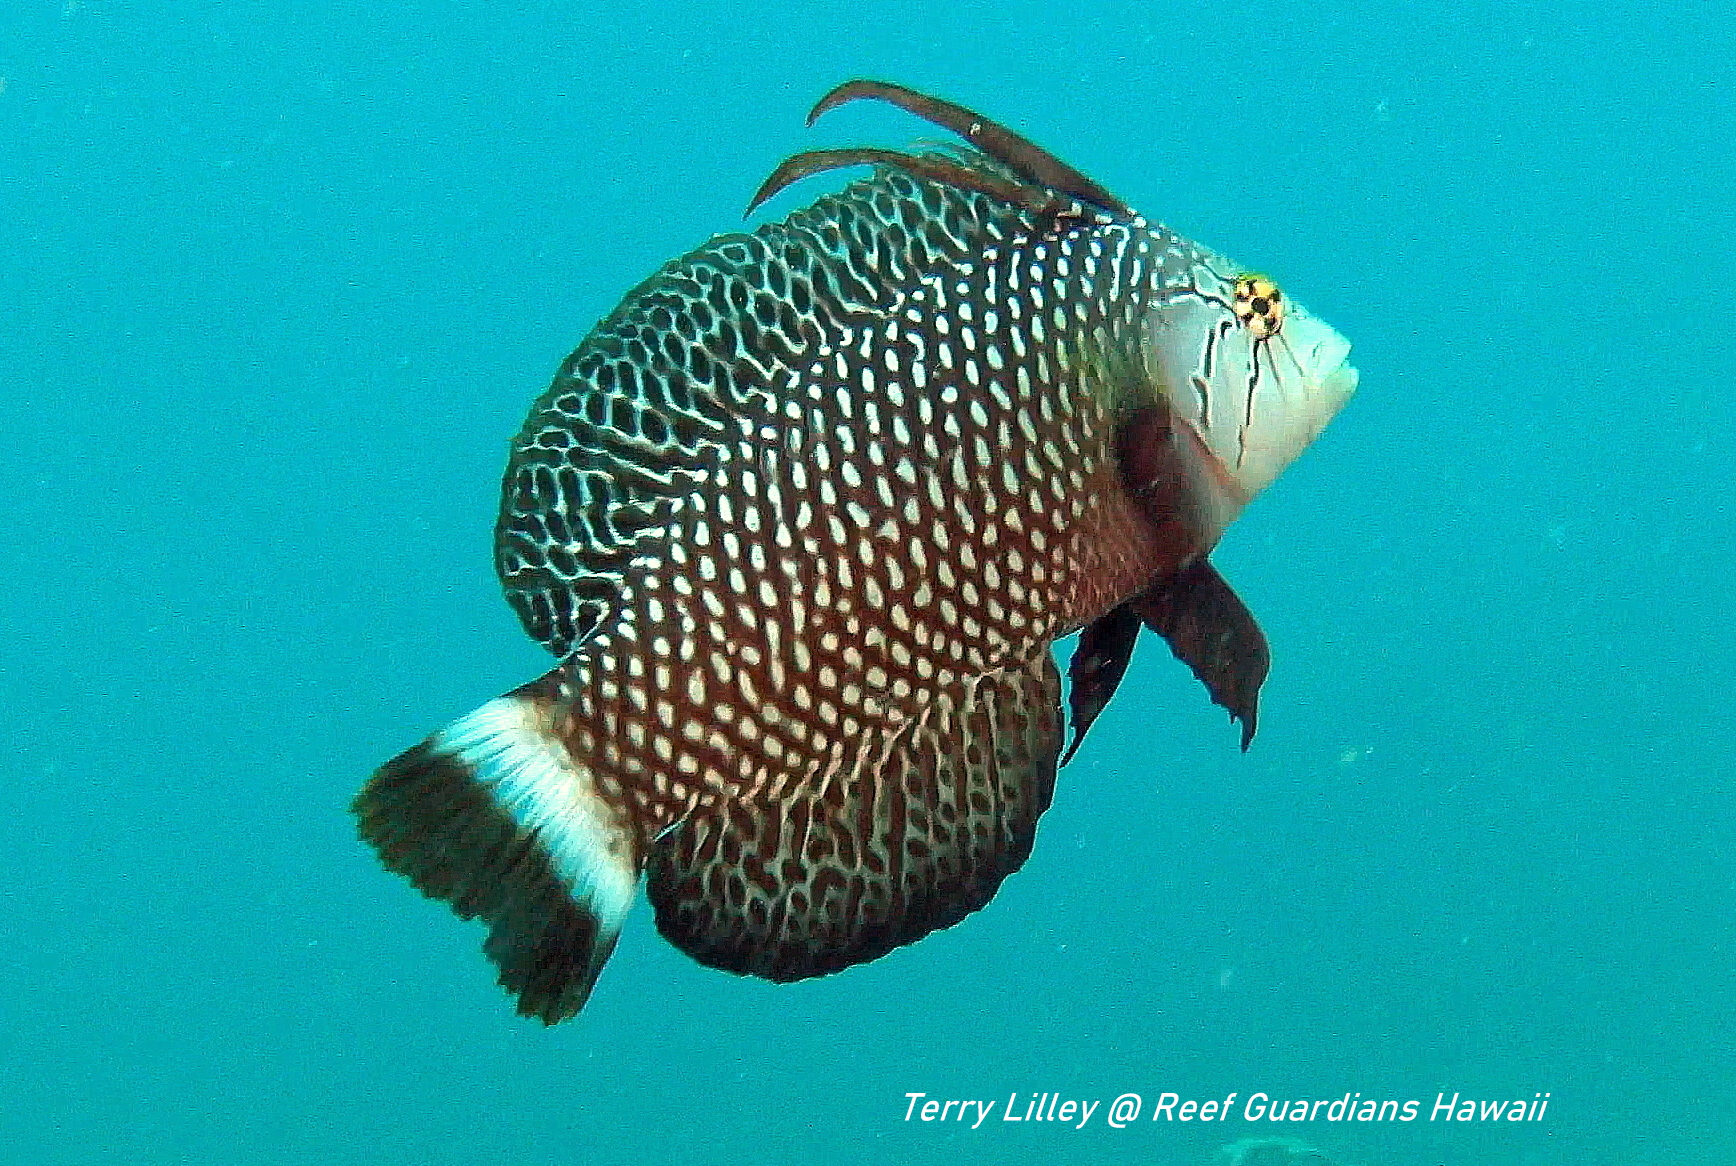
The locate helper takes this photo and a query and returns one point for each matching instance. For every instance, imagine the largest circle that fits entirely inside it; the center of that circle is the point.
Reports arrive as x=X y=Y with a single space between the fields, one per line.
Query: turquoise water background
x=278 y=282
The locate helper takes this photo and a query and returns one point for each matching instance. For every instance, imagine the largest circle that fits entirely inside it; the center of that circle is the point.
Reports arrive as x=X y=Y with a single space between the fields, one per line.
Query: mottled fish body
x=801 y=520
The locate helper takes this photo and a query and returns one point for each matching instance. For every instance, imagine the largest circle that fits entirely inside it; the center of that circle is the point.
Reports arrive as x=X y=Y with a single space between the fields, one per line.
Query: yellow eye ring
x=1259 y=305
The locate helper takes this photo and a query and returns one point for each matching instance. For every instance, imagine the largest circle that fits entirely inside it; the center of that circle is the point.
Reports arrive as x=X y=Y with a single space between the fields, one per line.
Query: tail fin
x=494 y=815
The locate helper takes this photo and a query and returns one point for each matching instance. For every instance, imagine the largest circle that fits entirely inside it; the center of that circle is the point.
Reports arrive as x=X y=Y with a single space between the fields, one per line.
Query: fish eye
x=1259 y=305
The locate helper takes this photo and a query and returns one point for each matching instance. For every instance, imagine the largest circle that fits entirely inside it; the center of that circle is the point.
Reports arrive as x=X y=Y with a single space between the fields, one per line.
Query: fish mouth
x=1280 y=421
x=1341 y=382
x=1328 y=376
x=1331 y=352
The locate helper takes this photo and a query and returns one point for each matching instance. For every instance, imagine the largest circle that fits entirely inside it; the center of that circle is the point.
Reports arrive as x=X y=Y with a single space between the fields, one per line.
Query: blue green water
x=277 y=282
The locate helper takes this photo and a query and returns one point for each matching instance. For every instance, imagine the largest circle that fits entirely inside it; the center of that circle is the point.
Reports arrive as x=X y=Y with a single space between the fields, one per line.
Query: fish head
x=1250 y=378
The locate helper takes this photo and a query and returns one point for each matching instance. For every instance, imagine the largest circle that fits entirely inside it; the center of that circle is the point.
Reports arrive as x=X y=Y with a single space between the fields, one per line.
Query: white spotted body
x=801 y=519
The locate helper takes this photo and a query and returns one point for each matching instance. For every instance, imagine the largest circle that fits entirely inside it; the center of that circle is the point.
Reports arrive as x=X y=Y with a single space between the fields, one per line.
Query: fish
x=800 y=522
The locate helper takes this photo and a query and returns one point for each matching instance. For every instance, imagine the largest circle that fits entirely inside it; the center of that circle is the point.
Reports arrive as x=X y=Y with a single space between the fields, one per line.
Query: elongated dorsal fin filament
x=1050 y=186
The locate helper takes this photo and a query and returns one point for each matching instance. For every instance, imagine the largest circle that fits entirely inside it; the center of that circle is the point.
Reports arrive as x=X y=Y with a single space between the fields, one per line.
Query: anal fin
x=883 y=841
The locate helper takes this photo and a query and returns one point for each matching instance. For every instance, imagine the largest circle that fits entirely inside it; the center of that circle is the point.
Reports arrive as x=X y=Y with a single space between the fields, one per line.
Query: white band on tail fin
x=508 y=748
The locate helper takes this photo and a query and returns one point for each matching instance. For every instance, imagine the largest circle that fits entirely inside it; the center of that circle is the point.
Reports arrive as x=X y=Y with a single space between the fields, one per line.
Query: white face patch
x=1255 y=393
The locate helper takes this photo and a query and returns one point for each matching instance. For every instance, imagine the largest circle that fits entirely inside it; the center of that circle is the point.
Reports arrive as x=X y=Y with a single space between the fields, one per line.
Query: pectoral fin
x=1211 y=631
x=1208 y=628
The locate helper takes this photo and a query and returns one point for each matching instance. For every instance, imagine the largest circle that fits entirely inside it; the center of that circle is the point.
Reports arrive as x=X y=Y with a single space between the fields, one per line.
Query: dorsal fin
x=796 y=167
x=1018 y=153
x=1050 y=186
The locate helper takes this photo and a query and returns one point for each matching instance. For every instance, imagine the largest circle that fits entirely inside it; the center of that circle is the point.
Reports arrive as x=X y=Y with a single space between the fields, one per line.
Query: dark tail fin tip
x=494 y=818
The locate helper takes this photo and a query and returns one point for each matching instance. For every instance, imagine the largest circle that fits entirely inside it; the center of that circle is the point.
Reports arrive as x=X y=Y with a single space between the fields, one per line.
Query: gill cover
x=1252 y=387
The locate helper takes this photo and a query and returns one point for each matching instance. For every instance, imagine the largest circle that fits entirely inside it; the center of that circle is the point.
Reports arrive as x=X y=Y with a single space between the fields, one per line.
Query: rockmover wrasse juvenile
x=801 y=520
